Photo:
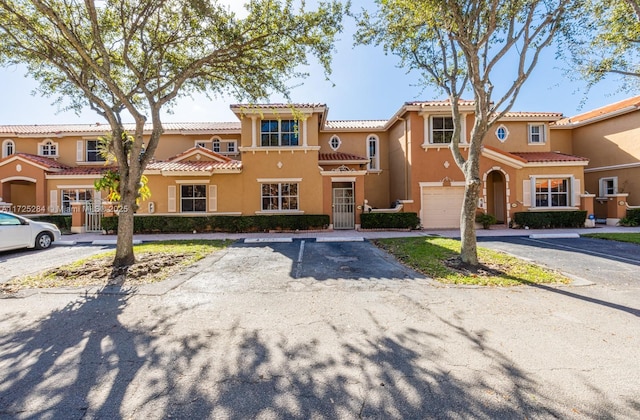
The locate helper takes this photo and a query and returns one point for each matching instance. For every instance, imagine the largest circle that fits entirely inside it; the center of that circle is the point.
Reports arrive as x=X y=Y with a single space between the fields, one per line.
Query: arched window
x=373 y=153
x=8 y=148
x=335 y=142
x=48 y=148
x=215 y=145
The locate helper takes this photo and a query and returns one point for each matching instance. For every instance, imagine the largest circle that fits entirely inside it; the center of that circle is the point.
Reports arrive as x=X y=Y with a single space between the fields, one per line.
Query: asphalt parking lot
x=595 y=260
x=321 y=330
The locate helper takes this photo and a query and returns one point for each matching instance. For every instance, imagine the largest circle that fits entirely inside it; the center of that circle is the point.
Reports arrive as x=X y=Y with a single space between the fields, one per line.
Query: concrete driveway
x=265 y=331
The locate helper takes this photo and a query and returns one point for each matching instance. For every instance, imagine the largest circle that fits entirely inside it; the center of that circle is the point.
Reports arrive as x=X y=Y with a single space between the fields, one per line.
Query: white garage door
x=441 y=207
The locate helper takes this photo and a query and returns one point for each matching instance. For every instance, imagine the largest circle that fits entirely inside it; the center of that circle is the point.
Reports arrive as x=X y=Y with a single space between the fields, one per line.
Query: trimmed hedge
x=389 y=221
x=634 y=214
x=63 y=222
x=551 y=219
x=231 y=224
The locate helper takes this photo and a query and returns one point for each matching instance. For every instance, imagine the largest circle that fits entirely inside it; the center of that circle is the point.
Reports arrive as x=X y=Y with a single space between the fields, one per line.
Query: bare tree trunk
x=124 y=247
x=468 y=251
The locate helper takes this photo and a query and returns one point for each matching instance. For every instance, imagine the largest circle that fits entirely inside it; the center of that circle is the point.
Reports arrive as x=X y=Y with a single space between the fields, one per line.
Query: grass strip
x=439 y=258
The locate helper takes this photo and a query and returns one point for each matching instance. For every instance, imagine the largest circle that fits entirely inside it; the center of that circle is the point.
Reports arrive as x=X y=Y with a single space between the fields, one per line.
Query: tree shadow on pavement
x=83 y=362
x=76 y=362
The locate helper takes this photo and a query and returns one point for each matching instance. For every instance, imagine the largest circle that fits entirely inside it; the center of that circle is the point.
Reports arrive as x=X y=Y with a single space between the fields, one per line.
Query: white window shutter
x=53 y=201
x=171 y=199
x=577 y=191
x=79 y=151
x=526 y=193
x=213 y=198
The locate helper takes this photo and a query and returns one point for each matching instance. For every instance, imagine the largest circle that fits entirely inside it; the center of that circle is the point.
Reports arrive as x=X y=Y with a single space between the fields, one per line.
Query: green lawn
x=439 y=258
x=634 y=238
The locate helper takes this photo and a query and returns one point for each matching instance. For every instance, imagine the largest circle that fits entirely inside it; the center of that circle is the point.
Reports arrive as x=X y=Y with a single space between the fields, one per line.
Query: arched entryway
x=496 y=195
x=21 y=193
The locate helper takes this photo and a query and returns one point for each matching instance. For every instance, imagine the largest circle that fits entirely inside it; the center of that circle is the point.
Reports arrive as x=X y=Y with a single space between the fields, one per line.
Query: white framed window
x=608 y=186
x=502 y=133
x=279 y=133
x=202 y=143
x=441 y=129
x=48 y=148
x=193 y=198
x=373 y=153
x=215 y=145
x=335 y=142
x=70 y=195
x=92 y=151
x=552 y=192
x=537 y=134
x=279 y=196
x=8 y=148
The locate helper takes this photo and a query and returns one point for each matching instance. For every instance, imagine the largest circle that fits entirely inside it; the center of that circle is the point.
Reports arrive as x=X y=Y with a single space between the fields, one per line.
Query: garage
x=441 y=206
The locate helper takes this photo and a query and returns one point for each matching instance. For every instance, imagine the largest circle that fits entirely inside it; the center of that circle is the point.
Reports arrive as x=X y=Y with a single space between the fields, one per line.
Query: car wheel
x=43 y=240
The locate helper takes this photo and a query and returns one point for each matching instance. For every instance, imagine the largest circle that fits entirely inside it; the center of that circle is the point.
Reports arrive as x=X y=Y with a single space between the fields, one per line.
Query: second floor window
x=536 y=134
x=48 y=148
x=8 y=148
x=92 y=153
x=373 y=154
x=279 y=133
x=441 y=129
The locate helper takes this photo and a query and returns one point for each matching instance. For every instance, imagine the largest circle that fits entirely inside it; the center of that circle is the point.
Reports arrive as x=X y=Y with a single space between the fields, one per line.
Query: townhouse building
x=291 y=159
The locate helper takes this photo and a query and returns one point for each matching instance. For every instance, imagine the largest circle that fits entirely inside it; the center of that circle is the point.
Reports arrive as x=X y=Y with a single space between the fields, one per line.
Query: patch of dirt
x=148 y=268
x=480 y=270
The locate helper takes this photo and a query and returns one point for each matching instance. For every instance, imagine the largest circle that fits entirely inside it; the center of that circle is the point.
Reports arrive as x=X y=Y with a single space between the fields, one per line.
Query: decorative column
x=78 y=217
x=587 y=204
x=616 y=208
x=254 y=134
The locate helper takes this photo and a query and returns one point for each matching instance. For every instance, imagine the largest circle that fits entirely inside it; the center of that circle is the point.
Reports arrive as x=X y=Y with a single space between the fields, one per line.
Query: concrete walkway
x=356 y=234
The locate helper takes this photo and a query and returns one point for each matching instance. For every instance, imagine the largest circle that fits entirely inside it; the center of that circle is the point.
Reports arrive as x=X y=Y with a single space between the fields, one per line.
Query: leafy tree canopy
x=605 y=39
x=462 y=46
x=135 y=57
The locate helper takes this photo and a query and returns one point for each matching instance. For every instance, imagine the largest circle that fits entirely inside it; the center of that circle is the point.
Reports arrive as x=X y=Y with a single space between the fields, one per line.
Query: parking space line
x=301 y=251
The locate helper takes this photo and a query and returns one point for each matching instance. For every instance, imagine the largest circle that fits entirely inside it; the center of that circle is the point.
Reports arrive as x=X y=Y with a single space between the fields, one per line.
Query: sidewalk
x=352 y=234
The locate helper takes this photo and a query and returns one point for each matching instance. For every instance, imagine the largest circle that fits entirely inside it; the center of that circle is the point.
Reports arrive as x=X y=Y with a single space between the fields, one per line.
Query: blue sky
x=365 y=84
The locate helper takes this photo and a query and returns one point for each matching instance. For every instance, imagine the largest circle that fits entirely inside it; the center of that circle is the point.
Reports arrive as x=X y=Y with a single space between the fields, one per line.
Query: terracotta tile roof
x=39 y=160
x=190 y=166
x=277 y=106
x=445 y=102
x=356 y=124
x=99 y=129
x=603 y=112
x=340 y=157
x=86 y=170
x=200 y=150
x=517 y=114
x=548 y=157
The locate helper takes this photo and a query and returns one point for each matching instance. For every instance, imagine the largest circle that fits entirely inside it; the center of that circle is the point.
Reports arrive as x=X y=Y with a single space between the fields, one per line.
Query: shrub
x=551 y=219
x=63 y=222
x=486 y=220
x=633 y=215
x=231 y=224
x=389 y=221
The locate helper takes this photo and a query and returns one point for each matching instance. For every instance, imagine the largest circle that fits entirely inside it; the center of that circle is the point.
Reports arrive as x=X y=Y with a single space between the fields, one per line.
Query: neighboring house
x=610 y=138
x=289 y=159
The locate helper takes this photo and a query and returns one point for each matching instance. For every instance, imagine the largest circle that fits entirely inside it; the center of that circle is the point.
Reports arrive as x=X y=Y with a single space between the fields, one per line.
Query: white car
x=19 y=232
